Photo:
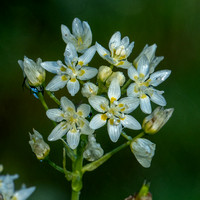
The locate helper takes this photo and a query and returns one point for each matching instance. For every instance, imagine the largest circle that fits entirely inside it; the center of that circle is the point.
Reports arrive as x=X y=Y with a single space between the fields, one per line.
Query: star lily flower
x=75 y=70
x=119 y=51
x=114 y=111
x=143 y=150
x=149 y=52
x=81 y=37
x=72 y=122
x=144 y=82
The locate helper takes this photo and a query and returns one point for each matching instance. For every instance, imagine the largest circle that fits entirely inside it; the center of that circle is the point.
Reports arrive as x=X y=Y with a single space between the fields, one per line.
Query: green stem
x=70 y=152
x=41 y=98
x=92 y=166
x=52 y=96
x=77 y=170
x=125 y=86
x=58 y=168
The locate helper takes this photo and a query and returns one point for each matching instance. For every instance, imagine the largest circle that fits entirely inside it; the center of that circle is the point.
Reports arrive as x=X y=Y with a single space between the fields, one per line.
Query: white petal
x=77 y=27
x=73 y=138
x=87 y=34
x=87 y=73
x=159 y=76
x=130 y=104
x=60 y=130
x=154 y=63
x=66 y=35
x=143 y=66
x=97 y=122
x=144 y=151
x=23 y=193
x=125 y=41
x=73 y=86
x=102 y=51
x=66 y=104
x=87 y=56
x=55 y=114
x=145 y=104
x=85 y=129
x=51 y=66
x=132 y=73
x=123 y=64
x=130 y=122
x=114 y=131
x=114 y=90
x=70 y=54
x=99 y=103
x=129 y=49
x=84 y=110
x=132 y=90
x=157 y=98
x=115 y=40
x=57 y=83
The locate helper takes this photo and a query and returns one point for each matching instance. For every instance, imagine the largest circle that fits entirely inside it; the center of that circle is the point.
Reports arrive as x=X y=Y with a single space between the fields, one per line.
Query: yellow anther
x=121 y=105
x=82 y=72
x=120 y=63
x=102 y=107
x=112 y=99
x=64 y=78
x=111 y=121
x=80 y=63
x=135 y=77
x=62 y=69
x=135 y=89
x=80 y=41
x=143 y=96
x=141 y=75
x=104 y=117
x=73 y=80
x=123 y=109
x=80 y=113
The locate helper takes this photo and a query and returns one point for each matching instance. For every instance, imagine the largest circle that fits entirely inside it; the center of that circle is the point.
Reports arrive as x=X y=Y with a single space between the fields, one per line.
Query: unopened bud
x=104 y=73
x=33 y=71
x=119 y=76
x=89 y=89
x=93 y=149
x=38 y=145
x=156 y=120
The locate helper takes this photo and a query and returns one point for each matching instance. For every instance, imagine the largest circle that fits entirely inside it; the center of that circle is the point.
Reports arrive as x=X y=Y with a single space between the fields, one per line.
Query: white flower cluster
x=106 y=94
x=7 y=188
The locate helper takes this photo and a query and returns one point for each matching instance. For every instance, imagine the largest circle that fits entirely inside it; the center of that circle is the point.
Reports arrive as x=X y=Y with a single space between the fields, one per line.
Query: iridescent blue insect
x=33 y=90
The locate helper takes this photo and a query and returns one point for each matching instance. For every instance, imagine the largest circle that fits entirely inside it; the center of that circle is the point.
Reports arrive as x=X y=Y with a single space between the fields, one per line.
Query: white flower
x=72 y=122
x=156 y=120
x=81 y=37
x=75 y=70
x=119 y=76
x=104 y=73
x=34 y=73
x=119 y=51
x=115 y=111
x=89 y=89
x=143 y=150
x=38 y=145
x=149 y=52
x=144 y=82
x=93 y=150
x=7 y=188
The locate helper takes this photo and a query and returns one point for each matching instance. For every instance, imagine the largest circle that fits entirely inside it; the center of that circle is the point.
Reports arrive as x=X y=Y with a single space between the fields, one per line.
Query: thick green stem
x=52 y=96
x=77 y=170
x=92 y=166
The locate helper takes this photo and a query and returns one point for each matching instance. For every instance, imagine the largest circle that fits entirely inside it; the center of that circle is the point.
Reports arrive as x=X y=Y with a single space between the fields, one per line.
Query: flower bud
x=143 y=150
x=119 y=76
x=89 y=89
x=33 y=71
x=104 y=73
x=1 y=168
x=156 y=120
x=93 y=149
x=38 y=145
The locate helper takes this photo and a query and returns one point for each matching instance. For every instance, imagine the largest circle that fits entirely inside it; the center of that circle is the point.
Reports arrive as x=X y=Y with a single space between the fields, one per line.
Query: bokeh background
x=32 y=28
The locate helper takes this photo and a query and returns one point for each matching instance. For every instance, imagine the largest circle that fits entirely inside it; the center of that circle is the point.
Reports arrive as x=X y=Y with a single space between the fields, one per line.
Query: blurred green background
x=32 y=28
